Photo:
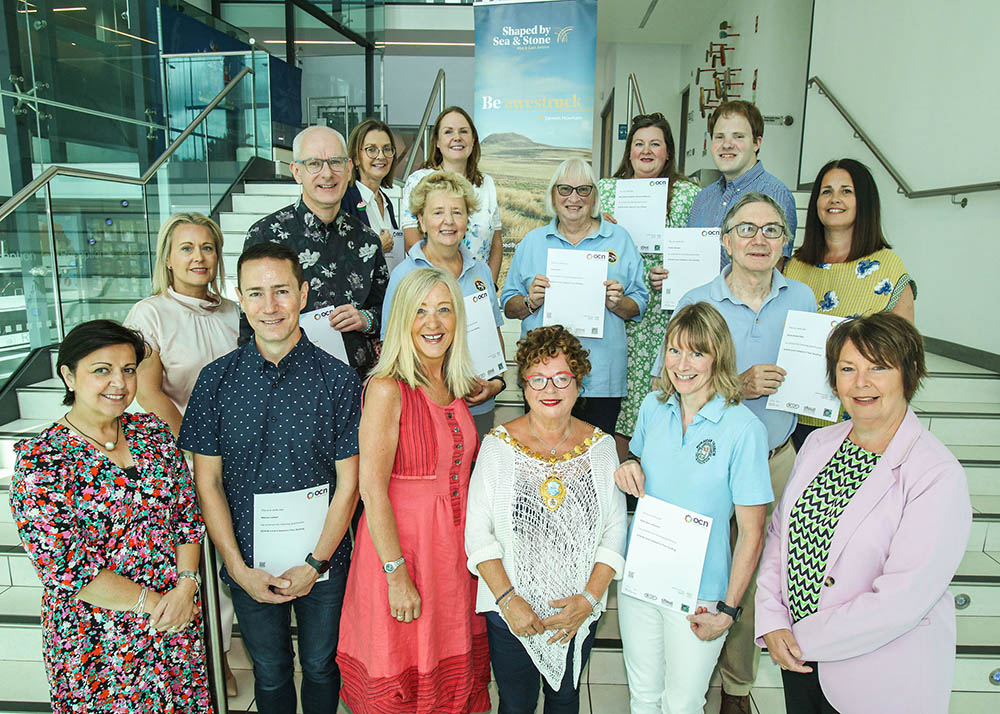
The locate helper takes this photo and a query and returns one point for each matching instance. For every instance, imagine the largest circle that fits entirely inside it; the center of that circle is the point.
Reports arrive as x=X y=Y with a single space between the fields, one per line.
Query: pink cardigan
x=884 y=632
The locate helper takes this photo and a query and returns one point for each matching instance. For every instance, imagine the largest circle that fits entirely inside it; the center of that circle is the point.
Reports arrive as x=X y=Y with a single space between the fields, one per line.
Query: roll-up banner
x=535 y=63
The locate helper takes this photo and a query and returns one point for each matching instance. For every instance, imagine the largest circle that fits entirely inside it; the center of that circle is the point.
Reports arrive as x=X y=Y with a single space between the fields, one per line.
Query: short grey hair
x=301 y=136
x=567 y=167
x=756 y=197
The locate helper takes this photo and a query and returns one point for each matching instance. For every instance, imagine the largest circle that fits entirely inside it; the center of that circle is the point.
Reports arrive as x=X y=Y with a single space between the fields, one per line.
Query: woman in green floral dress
x=649 y=154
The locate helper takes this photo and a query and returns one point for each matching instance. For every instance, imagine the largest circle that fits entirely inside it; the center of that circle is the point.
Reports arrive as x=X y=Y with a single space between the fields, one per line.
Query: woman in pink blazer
x=852 y=600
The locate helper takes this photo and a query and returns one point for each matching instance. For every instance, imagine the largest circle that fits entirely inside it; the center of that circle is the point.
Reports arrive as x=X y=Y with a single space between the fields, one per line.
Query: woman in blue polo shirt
x=442 y=202
x=577 y=225
x=706 y=452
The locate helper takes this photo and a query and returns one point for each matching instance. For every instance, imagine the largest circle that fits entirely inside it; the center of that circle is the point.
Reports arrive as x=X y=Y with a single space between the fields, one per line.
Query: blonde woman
x=409 y=636
x=697 y=447
x=443 y=202
x=187 y=324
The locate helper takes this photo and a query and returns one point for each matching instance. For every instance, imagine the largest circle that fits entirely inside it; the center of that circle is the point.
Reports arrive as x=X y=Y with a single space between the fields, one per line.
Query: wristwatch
x=321 y=566
x=391 y=567
x=190 y=574
x=733 y=612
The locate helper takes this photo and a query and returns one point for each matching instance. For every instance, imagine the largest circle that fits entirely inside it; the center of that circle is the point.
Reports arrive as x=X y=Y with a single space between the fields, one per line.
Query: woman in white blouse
x=187 y=324
x=372 y=149
x=545 y=530
x=456 y=148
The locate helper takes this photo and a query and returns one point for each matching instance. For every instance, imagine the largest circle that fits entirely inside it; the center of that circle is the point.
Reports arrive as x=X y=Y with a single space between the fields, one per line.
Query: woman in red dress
x=410 y=640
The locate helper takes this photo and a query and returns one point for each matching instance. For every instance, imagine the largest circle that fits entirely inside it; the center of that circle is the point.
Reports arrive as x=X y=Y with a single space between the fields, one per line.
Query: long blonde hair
x=704 y=329
x=162 y=278
x=399 y=357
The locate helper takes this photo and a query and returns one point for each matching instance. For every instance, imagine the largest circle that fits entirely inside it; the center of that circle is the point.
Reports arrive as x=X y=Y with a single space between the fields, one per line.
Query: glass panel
x=103 y=248
x=28 y=316
x=101 y=56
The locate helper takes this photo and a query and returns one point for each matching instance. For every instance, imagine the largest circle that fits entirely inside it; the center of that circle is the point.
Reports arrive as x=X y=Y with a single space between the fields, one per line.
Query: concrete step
x=239 y=222
x=260 y=203
x=232 y=243
x=272 y=188
x=962 y=387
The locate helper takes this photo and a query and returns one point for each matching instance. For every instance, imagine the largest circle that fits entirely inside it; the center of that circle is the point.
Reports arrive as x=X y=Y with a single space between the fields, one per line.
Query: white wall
x=408 y=82
x=916 y=83
x=778 y=50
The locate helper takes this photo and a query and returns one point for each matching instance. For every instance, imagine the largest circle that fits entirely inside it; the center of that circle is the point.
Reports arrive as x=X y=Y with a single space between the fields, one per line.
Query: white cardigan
x=552 y=553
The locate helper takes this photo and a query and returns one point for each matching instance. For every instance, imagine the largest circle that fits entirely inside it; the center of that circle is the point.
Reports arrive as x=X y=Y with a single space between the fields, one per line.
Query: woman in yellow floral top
x=649 y=154
x=845 y=258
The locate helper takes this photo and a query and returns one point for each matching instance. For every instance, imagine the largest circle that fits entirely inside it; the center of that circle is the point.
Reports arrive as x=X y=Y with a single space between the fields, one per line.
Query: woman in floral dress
x=649 y=154
x=106 y=511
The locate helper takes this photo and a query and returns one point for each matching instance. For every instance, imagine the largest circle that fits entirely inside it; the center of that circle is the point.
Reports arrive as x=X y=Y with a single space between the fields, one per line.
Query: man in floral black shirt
x=341 y=258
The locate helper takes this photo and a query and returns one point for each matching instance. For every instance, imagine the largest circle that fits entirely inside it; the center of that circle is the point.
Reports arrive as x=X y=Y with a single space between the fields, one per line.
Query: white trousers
x=668 y=667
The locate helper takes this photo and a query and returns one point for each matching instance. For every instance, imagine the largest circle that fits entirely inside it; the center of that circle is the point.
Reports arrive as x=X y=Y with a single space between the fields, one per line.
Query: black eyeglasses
x=373 y=151
x=749 y=230
x=564 y=189
x=655 y=116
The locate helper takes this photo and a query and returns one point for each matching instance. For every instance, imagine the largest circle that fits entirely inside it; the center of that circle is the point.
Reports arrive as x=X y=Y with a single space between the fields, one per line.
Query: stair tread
x=976 y=452
x=986 y=409
x=24 y=426
x=50 y=383
x=985 y=503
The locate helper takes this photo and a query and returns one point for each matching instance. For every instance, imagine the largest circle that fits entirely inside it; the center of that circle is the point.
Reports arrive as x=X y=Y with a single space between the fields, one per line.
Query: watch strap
x=733 y=612
x=321 y=566
x=191 y=575
x=391 y=566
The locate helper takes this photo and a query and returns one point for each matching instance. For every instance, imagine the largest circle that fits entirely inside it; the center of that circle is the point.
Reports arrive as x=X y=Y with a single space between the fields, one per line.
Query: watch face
x=389 y=567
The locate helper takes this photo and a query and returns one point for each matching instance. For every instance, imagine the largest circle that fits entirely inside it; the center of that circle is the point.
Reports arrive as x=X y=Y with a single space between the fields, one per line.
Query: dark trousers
x=601 y=412
x=267 y=636
x=517 y=678
x=799 y=437
x=803 y=695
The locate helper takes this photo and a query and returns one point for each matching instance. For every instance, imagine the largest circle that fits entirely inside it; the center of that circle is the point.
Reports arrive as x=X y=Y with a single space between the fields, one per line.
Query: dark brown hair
x=472 y=171
x=738 y=107
x=88 y=337
x=275 y=251
x=355 y=145
x=669 y=170
x=867 y=236
x=544 y=343
x=885 y=339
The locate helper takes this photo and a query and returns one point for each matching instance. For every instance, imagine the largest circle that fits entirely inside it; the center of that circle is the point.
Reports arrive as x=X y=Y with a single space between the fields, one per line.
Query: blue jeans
x=518 y=678
x=267 y=636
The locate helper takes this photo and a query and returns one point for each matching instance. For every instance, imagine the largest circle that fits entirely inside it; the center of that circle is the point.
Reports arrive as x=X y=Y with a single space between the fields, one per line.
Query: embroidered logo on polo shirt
x=705 y=451
x=480 y=285
x=612 y=257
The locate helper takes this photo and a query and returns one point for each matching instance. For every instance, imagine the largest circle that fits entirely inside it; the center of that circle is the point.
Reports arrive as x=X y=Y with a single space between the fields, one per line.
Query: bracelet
x=368 y=320
x=507 y=602
x=140 y=603
x=190 y=575
x=506 y=592
x=595 y=606
x=503 y=382
x=527 y=304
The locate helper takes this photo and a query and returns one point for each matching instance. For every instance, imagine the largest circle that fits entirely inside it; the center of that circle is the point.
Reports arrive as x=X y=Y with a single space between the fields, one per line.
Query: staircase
x=959 y=403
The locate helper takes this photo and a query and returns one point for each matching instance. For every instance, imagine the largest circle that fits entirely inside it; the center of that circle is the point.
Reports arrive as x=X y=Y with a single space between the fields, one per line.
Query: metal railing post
x=423 y=130
x=56 y=290
x=633 y=94
x=213 y=627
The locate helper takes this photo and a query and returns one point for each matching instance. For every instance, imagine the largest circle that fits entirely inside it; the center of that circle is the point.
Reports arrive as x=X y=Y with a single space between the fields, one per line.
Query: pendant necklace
x=552 y=449
x=108 y=445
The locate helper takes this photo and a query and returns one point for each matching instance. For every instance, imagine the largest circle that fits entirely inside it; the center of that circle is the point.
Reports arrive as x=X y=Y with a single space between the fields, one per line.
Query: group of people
x=480 y=545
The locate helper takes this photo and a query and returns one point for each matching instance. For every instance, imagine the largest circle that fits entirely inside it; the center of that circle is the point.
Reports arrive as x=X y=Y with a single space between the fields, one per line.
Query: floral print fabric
x=343 y=263
x=643 y=338
x=78 y=513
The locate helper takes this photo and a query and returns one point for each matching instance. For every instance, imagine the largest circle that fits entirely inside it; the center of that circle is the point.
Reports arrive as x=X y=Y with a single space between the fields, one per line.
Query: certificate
x=575 y=296
x=395 y=256
x=286 y=526
x=666 y=555
x=481 y=334
x=317 y=327
x=803 y=355
x=641 y=209
x=692 y=257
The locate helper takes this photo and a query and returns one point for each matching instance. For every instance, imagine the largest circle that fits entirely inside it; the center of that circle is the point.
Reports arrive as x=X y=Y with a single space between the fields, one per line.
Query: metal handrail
x=44 y=178
x=633 y=92
x=904 y=187
x=436 y=91
x=32 y=99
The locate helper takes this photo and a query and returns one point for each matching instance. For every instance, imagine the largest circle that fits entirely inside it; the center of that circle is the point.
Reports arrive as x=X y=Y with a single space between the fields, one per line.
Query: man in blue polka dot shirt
x=278 y=415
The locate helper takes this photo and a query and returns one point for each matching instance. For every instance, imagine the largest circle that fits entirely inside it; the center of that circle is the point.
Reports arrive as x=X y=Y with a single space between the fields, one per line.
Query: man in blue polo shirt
x=754 y=299
x=279 y=416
